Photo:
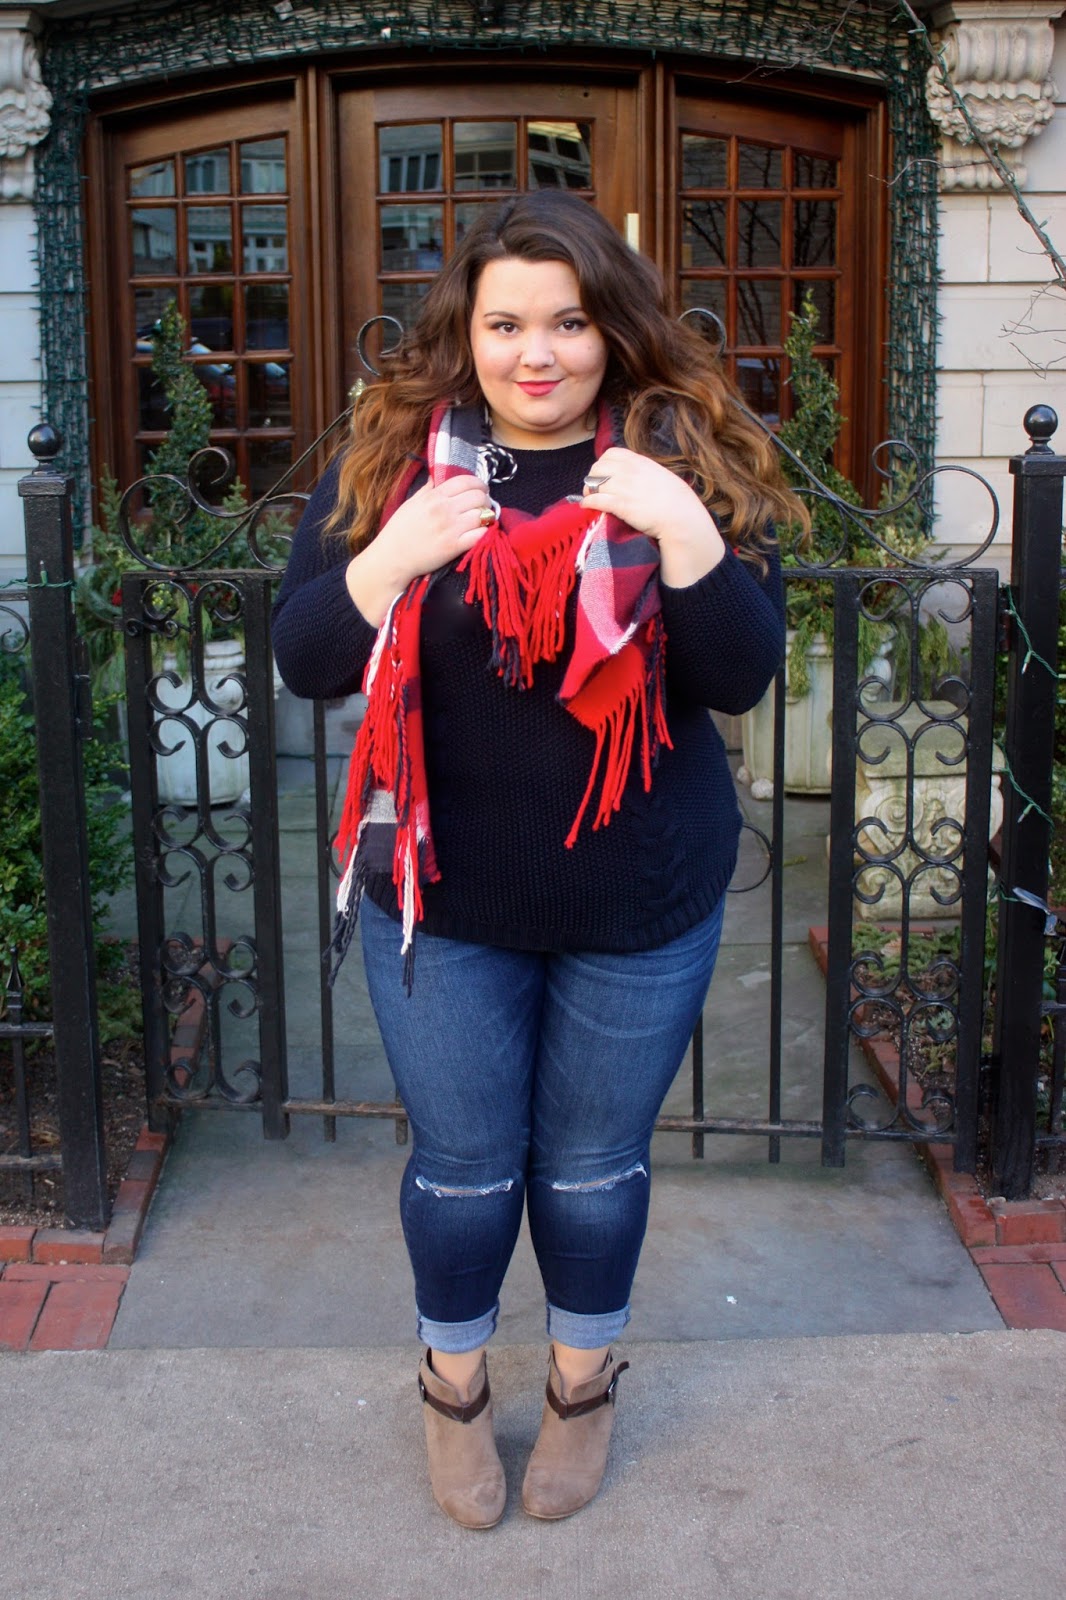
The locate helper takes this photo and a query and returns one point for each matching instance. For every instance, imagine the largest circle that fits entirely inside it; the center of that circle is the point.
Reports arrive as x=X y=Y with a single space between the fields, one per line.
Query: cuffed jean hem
x=585 y=1332
x=456 y=1338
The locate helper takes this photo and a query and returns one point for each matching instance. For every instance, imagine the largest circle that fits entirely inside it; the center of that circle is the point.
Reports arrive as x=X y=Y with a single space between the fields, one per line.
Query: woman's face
x=540 y=361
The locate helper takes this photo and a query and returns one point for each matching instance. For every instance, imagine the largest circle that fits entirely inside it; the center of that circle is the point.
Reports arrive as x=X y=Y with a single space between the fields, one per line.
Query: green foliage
x=23 y=921
x=812 y=432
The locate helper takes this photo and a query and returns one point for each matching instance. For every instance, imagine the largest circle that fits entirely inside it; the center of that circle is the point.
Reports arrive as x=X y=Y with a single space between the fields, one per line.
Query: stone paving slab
x=891 y=1468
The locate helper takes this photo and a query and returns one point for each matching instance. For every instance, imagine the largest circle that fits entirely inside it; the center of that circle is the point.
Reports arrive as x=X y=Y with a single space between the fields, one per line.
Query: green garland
x=81 y=57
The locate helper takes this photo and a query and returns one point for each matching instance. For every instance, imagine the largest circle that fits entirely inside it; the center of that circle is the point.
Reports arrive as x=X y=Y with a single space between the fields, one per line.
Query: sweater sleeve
x=725 y=634
x=322 y=642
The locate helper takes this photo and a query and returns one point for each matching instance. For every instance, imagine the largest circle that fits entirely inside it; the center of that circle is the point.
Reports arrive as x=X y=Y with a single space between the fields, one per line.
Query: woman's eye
x=573 y=324
x=503 y=327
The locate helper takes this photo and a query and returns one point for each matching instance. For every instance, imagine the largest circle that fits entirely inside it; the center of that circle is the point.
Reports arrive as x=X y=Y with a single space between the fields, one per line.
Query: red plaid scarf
x=521 y=574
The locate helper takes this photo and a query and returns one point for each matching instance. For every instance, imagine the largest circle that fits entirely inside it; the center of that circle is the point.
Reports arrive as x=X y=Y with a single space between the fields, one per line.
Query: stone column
x=25 y=104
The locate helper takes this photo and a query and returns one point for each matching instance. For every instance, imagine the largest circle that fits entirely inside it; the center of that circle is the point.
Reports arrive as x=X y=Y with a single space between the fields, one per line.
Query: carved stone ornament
x=998 y=53
x=25 y=105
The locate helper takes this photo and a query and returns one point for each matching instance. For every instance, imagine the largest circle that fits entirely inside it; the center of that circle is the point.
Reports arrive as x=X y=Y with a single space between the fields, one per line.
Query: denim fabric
x=531 y=1078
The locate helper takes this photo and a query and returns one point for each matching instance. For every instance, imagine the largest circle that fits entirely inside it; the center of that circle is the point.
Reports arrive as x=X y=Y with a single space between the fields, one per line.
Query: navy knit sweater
x=507 y=767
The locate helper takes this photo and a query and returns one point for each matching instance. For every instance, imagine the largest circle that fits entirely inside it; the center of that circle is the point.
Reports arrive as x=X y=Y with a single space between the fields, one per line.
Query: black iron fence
x=894 y=727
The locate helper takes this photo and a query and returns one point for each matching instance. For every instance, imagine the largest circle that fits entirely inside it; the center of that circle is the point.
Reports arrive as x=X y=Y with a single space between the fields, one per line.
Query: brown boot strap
x=464 y=1413
x=578 y=1408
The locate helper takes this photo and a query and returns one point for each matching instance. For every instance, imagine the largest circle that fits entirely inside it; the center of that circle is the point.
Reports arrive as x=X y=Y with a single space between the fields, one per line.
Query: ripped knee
x=638 y=1170
x=474 y=1192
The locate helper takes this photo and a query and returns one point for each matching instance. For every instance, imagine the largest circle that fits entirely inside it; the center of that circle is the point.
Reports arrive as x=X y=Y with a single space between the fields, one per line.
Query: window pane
x=814 y=233
x=759 y=167
x=211 y=316
x=156 y=178
x=152 y=413
x=703 y=236
x=560 y=155
x=207 y=173
x=759 y=311
x=267 y=460
x=155 y=240
x=410 y=156
x=704 y=162
x=759 y=233
x=148 y=307
x=823 y=293
x=266 y=316
x=486 y=155
x=710 y=294
x=220 y=382
x=264 y=239
x=402 y=301
x=269 y=403
x=465 y=217
x=210 y=244
x=813 y=172
x=759 y=381
x=263 y=167
x=412 y=238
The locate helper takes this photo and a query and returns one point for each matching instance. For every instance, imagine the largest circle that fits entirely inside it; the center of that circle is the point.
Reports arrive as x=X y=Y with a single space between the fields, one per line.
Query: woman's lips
x=539 y=388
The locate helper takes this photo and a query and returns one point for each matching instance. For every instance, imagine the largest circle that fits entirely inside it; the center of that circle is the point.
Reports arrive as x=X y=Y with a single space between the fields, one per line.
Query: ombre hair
x=677 y=405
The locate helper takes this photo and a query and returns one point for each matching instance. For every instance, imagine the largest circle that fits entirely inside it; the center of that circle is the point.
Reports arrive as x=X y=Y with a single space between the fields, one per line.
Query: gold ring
x=487 y=517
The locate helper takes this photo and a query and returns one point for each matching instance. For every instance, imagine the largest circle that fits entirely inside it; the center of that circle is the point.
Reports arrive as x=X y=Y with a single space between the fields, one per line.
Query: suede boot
x=569 y=1457
x=464 y=1467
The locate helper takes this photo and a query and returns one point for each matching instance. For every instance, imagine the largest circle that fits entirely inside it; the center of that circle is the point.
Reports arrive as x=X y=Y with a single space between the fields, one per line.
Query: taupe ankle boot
x=569 y=1457
x=464 y=1467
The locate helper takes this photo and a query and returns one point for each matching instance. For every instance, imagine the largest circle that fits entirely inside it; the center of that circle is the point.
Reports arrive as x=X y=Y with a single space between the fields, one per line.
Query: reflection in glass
x=759 y=311
x=466 y=214
x=559 y=155
x=267 y=460
x=759 y=233
x=410 y=157
x=412 y=238
x=220 y=381
x=269 y=402
x=156 y=178
x=155 y=240
x=814 y=233
x=712 y=294
x=813 y=172
x=759 y=381
x=210 y=245
x=704 y=162
x=759 y=166
x=153 y=415
x=402 y=301
x=703 y=235
x=148 y=307
x=211 y=316
x=486 y=155
x=823 y=293
x=266 y=316
x=262 y=165
x=264 y=239
x=207 y=173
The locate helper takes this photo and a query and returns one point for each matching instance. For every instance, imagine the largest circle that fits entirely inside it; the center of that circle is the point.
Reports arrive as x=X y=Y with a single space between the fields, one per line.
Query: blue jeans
x=530 y=1077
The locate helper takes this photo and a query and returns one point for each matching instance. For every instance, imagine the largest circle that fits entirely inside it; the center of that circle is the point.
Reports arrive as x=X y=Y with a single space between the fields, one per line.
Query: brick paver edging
x=60 y=1288
x=1018 y=1246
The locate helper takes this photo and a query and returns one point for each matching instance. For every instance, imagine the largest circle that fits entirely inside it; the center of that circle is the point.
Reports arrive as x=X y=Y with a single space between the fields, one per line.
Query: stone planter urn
x=808 y=731
x=228 y=775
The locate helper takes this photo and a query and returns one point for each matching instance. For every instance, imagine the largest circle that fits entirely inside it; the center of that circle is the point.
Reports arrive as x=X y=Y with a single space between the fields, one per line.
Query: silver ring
x=593 y=485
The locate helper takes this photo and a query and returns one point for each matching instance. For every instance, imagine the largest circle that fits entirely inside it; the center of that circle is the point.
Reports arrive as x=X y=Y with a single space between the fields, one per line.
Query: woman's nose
x=538 y=351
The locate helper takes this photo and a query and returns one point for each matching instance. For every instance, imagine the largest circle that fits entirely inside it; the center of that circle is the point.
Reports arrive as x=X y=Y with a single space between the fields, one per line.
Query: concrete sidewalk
x=891 y=1468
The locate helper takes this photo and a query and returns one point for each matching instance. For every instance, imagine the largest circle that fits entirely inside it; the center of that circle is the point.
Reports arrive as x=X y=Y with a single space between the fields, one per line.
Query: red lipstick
x=539 y=388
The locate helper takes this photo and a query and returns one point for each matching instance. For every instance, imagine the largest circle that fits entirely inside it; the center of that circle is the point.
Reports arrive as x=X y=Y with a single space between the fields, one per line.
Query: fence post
x=1036 y=560
x=63 y=715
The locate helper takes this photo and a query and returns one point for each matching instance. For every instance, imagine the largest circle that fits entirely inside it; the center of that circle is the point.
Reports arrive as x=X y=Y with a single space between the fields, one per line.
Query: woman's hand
x=655 y=501
x=435 y=526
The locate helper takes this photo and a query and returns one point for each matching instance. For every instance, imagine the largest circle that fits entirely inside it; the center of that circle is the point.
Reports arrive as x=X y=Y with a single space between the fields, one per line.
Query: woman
x=539 y=804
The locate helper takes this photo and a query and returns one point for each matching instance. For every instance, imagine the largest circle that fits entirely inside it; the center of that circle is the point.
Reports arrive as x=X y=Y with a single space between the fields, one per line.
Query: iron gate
x=226 y=954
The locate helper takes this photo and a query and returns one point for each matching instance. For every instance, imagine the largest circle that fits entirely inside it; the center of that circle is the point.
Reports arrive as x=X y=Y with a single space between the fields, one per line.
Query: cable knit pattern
x=507 y=767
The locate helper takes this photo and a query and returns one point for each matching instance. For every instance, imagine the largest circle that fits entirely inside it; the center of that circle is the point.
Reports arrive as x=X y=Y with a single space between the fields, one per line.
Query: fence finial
x=45 y=442
x=1040 y=424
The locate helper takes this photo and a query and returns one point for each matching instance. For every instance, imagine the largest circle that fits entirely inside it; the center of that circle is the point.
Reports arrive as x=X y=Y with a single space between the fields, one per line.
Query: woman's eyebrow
x=567 y=311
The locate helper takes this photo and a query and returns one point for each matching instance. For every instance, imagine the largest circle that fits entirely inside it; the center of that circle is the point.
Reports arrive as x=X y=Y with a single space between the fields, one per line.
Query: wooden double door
x=284 y=219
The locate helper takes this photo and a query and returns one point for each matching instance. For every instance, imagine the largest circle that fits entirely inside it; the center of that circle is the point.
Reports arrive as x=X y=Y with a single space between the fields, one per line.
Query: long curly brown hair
x=678 y=405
